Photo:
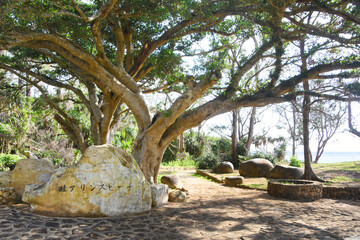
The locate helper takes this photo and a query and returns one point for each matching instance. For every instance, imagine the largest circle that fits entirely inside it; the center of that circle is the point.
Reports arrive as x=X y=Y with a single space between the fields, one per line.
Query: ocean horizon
x=329 y=157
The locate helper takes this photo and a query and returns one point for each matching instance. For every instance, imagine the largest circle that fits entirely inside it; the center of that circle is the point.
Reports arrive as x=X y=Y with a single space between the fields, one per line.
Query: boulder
x=7 y=196
x=27 y=171
x=224 y=167
x=173 y=181
x=234 y=180
x=285 y=172
x=159 y=194
x=5 y=179
x=105 y=182
x=177 y=196
x=256 y=167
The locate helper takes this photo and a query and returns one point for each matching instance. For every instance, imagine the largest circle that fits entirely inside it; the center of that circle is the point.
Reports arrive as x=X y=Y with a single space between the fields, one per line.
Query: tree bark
x=251 y=131
x=308 y=172
x=234 y=139
x=148 y=152
x=351 y=126
x=293 y=131
x=181 y=143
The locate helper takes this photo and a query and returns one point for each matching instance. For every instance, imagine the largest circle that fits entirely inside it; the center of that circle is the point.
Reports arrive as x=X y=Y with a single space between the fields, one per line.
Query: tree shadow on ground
x=271 y=223
x=252 y=216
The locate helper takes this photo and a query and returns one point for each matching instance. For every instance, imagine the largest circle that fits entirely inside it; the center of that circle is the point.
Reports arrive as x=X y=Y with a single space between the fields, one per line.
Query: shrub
x=186 y=162
x=8 y=161
x=280 y=151
x=192 y=145
x=207 y=160
x=242 y=158
x=124 y=138
x=265 y=155
x=171 y=152
x=294 y=162
x=5 y=128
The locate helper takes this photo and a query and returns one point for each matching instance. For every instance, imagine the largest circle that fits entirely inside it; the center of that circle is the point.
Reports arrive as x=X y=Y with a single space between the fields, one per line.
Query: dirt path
x=213 y=211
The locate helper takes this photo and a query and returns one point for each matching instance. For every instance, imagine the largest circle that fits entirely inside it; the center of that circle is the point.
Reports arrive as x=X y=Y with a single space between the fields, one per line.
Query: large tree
x=109 y=53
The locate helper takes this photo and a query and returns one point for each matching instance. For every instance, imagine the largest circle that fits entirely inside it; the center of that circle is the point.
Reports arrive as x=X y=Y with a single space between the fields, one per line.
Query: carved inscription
x=92 y=187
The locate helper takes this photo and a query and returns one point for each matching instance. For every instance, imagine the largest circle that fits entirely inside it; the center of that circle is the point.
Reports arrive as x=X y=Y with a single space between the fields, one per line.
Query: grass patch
x=342 y=166
x=203 y=177
x=159 y=177
x=180 y=163
x=342 y=179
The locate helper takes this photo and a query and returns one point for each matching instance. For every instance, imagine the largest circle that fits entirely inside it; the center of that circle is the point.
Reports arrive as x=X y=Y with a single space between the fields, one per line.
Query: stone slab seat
x=105 y=182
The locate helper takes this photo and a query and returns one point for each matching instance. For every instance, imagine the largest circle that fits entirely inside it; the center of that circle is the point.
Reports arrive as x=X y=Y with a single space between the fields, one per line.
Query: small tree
x=326 y=118
x=290 y=114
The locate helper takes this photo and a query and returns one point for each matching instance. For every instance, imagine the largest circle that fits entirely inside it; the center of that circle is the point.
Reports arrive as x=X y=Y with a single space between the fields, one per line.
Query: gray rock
x=177 y=196
x=234 y=180
x=256 y=167
x=173 y=181
x=224 y=167
x=159 y=194
x=285 y=172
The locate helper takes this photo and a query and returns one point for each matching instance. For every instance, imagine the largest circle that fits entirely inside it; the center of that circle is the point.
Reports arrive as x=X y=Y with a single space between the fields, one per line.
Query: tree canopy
x=108 y=54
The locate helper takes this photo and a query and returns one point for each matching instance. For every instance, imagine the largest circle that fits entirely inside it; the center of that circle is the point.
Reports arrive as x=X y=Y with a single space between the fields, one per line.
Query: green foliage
x=5 y=128
x=353 y=88
x=51 y=155
x=171 y=152
x=210 y=151
x=294 y=162
x=186 y=162
x=220 y=145
x=208 y=160
x=192 y=145
x=8 y=161
x=242 y=158
x=125 y=138
x=160 y=35
x=280 y=150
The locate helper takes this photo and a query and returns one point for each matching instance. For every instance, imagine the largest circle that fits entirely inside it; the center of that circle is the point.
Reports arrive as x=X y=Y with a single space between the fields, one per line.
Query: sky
x=342 y=141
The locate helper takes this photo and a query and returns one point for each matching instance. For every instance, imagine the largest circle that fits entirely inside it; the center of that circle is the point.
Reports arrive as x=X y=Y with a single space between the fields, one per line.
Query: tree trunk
x=234 y=138
x=251 y=131
x=293 y=132
x=148 y=153
x=308 y=172
x=351 y=126
x=181 y=143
